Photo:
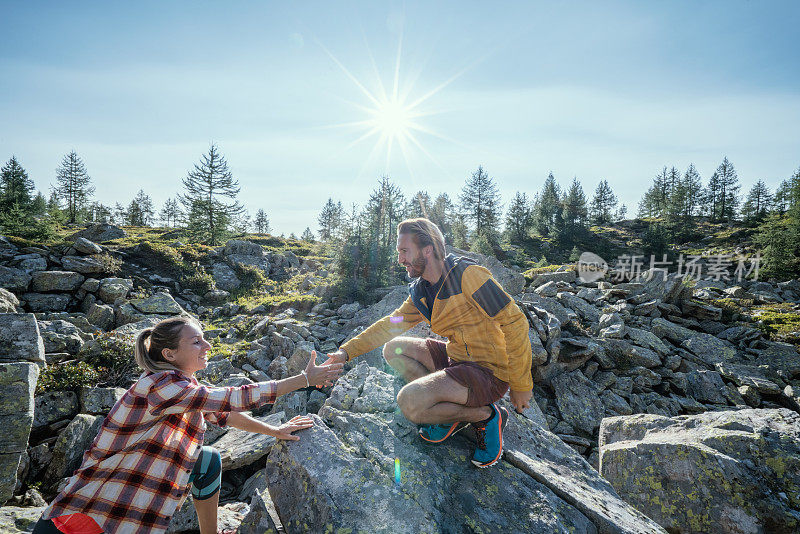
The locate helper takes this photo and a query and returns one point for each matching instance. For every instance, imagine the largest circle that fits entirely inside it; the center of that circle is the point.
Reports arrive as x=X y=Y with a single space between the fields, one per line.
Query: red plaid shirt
x=136 y=472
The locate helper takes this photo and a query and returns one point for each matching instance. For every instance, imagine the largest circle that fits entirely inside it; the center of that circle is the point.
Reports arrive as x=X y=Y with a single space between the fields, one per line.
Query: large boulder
x=17 y=384
x=341 y=473
x=73 y=441
x=224 y=277
x=158 y=303
x=9 y=302
x=56 y=281
x=578 y=400
x=239 y=448
x=86 y=246
x=47 y=302
x=512 y=281
x=110 y=289
x=20 y=339
x=82 y=264
x=729 y=471
x=54 y=406
x=100 y=315
x=61 y=336
x=101 y=232
x=14 y=279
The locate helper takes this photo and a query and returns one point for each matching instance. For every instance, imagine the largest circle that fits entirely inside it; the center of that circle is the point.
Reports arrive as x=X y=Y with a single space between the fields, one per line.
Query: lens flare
x=397 y=471
x=395 y=320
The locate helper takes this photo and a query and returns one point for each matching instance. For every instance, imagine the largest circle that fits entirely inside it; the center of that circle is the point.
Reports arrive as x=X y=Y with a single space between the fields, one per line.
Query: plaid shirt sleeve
x=173 y=393
x=218 y=418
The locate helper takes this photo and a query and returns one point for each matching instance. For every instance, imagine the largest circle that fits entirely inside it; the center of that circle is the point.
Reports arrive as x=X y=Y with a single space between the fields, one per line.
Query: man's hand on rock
x=521 y=400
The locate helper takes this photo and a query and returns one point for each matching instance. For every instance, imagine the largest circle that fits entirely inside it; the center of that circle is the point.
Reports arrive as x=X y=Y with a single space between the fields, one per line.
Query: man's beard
x=417 y=266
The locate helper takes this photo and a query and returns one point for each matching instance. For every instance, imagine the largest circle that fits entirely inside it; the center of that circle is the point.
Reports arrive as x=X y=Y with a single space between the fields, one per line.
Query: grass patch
x=68 y=376
x=781 y=321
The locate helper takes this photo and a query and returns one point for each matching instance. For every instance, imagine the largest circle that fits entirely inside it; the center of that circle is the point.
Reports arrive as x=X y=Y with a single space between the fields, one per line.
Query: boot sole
x=454 y=429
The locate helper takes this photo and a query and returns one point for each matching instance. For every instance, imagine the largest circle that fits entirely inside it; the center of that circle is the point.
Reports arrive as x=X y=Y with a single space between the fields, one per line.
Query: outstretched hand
x=299 y=422
x=322 y=375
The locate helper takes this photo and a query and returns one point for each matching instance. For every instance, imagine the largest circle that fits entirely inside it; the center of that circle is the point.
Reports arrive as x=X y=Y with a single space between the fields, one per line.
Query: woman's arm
x=243 y=421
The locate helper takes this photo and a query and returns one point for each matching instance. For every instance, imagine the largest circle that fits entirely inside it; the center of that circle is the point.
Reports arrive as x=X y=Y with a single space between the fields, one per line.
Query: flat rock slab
x=239 y=448
x=727 y=471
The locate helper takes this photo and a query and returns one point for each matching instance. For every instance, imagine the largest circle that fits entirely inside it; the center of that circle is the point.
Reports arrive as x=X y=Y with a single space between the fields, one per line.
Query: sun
x=393 y=119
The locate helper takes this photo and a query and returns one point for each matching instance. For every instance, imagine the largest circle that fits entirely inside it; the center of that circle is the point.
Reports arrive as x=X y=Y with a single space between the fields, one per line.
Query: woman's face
x=190 y=356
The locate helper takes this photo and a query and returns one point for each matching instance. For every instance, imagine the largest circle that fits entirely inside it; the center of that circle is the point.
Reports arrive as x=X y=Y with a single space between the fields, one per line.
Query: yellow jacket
x=479 y=319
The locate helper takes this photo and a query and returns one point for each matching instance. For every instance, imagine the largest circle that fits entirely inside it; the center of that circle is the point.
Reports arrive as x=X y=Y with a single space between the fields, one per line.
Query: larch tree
x=207 y=186
x=547 y=209
x=575 y=212
x=307 y=235
x=261 y=222
x=330 y=219
x=757 y=203
x=480 y=204
x=73 y=185
x=170 y=213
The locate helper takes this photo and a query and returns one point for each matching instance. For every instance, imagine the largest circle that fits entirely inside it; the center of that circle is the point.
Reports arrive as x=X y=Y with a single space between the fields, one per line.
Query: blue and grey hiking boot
x=439 y=433
x=490 y=438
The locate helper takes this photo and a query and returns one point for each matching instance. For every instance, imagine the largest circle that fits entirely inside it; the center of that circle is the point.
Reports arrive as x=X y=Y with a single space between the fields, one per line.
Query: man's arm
x=389 y=327
x=496 y=305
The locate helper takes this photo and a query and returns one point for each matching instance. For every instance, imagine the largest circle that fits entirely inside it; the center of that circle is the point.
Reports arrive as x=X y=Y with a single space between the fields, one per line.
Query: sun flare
x=393 y=119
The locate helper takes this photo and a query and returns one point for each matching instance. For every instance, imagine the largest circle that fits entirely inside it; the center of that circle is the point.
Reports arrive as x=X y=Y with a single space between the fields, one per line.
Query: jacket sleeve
x=218 y=418
x=173 y=393
x=496 y=305
x=391 y=326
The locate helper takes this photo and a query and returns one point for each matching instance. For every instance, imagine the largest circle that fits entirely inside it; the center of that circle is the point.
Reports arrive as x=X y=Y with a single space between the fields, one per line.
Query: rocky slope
x=603 y=352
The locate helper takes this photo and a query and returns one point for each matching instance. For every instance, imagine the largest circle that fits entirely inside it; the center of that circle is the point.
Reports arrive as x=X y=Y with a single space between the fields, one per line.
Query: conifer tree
x=140 y=210
x=692 y=189
x=480 y=204
x=307 y=235
x=73 y=185
x=575 y=212
x=170 y=213
x=442 y=214
x=519 y=220
x=39 y=205
x=15 y=187
x=726 y=197
x=603 y=204
x=547 y=209
x=261 y=222
x=208 y=216
x=757 y=204
x=330 y=219
x=418 y=206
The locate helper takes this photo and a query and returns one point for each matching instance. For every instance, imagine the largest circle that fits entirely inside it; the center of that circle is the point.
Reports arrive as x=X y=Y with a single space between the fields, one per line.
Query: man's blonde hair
x=423 y=233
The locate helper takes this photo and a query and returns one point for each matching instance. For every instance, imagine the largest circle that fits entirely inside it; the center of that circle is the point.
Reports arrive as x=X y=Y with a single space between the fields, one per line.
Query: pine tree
x=330 y=219
x=726 y=200
x=74 y=185
x=39 y=205
x=574 y=213
x=140 y=210
x=307 y=235
x=442 y=214
x=384 y=210
x=603 y=204
x=655 y=200
x=54 y=211
x=120 y=214
x=692 y=189
x=519 y=220
x=208 y=217
x=261 y=222
x=480 y=204
x=459 y=232
x=547 y=209
x=170 y=213
x=418 y=206
x=99 y=213
x=15 y=187
x=757 y=204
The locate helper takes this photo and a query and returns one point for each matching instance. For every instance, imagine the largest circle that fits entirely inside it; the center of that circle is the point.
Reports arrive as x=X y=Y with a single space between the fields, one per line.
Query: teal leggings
x=206 y=476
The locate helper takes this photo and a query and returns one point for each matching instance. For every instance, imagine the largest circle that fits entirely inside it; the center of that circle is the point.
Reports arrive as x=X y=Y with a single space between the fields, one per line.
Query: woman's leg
x=206 y=480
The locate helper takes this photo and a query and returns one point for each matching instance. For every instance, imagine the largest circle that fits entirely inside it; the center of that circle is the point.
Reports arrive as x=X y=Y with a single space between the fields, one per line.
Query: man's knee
x=408 y=401
x=390 y=350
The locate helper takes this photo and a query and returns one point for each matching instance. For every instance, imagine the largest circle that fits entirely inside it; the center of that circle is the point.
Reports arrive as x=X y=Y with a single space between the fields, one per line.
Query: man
x=453 y=384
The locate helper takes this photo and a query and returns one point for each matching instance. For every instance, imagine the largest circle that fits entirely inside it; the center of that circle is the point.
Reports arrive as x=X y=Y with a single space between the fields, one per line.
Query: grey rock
x=86 y=246
x=239 y=448
x=300 y=357
x=61 y=336
x=101 y=315
x=90 y=285
x=548 y=289
x=259 y=518
x=216 y=296
x=277 y=368
x=101 y=232
x=706 y=386
x=56 y=281
x=14 y=279
x=34 y=263
x=99 y=401
x=672 y=290
x=348 y=311
x=781 y=357
x=291 y=404
x=158 y=303
x=557 y=276
x=625 y=355
x=18 y=519
x=614 y=404
x=20 y=339
x=671 y=331
x=217 y=371
x=647 y=339
x=82 y=264
x=8 y=301
x=748 y=375
x=54 y=406
x=584 y=309
x=225 y=277
x=578 y=401
x=728 y=471
x=17 y=384
x=46 y=302
x=111 y=289
x=73 y=441
x=709 y=349
x=564 y=315
x=241 y=247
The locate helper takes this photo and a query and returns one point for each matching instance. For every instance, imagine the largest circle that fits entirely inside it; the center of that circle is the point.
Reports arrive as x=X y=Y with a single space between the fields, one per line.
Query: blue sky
x=597 y=90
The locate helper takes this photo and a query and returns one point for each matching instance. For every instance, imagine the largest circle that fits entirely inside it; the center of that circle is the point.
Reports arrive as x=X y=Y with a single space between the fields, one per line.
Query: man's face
x=410 y=256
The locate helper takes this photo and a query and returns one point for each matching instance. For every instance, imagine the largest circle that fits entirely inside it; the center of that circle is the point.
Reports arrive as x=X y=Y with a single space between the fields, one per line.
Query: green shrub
x=112 y=355
x=252 y=278
x=198 y=280
x=162 y=257
x=67 y=376
x=111 y=264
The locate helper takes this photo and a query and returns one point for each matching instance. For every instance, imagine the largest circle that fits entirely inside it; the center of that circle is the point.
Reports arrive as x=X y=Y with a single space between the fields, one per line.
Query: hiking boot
x=439 y=433
x=489 y=448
